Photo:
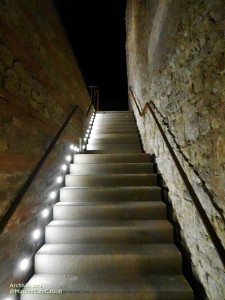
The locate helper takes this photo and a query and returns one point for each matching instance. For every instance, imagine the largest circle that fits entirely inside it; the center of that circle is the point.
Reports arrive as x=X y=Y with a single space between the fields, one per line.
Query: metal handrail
x=205 y=219
x=6 y=217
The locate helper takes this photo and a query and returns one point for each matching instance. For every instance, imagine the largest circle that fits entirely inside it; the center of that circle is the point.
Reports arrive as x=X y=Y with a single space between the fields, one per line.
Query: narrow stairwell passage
x=109 y=238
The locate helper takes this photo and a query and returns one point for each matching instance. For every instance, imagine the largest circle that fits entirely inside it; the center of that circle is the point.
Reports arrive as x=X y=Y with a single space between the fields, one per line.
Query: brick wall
x=40 y=83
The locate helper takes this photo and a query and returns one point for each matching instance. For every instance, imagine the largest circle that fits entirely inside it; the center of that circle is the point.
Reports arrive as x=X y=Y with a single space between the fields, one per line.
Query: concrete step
x=110 y=287
x=114 y=140
x=113 y=158
x=113 y=125
x=114 y=113
x=99 y=210
x=114 y=135
x=115 y=119
x=108 y=231
x=111 y=168
x=116 y=148
x=106 y=122
x=137 y=193
x=109 y=259
x=110 y=180
x=113 y=130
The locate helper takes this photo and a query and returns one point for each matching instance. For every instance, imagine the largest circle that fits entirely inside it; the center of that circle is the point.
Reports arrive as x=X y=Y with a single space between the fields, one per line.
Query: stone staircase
x=109 y=238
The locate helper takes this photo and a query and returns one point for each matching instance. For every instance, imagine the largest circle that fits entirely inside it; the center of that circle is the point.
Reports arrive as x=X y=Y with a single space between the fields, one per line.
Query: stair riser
x=100 y=130
x=111 y=116
x=110 y=194
x=92 y=169
x=105 y=124
x=109 y=213
x=116 y=287
x=112 y=158
x=107 y=264
x=110 y=181
x=123 y=140
x=115 y=117
x=114 y=135
x=117 y=148
x=113 y=126
x=69 y=235
x=114 y=113
x=114 y=295
x=114 y=120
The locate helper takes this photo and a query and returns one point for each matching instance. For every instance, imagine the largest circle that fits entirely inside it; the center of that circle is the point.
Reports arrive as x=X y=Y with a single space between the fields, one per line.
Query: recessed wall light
x=24 y=264
x=59 y=179
x=53 y=195
x=36 y=234
x=68 y=157
x=64 y=167
x=45 y=213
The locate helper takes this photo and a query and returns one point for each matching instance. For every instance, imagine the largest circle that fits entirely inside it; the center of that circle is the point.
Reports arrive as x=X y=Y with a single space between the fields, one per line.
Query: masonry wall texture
x=176 y=58
x=40 y=83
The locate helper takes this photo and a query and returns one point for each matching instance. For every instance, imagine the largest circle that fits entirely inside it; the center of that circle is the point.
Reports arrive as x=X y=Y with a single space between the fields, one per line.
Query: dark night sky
x=96 y=31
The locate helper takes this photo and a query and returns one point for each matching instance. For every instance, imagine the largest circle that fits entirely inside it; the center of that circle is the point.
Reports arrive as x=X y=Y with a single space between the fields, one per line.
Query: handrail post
x=94 y=94
x=97 y=98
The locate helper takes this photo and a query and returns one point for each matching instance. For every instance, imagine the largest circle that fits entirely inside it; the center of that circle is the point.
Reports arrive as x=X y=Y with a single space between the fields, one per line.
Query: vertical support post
x=80 y=145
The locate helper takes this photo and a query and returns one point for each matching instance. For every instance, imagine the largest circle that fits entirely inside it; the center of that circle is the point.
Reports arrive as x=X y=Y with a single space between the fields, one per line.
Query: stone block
x=220 y=149
x=3 y=144
x=6 y=55
x=2 y=68
x=11 y=88
x=25 y=89
x=13 y=77
x=22 y=73
x=36 y=96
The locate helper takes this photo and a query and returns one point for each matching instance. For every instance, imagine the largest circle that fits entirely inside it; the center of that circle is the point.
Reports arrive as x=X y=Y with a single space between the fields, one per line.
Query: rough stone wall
x=40 y=83
x=176 y=58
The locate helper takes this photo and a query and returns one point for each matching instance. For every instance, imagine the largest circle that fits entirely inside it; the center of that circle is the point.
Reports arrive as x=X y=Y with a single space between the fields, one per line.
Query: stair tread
x=113 y=157
x=106 y=210
x=114 y=164
x=118 y=204
x=111 y=283
x=116 y=140
x=113 y=175
x=114 y=135
x=122 y=188
x=151 y=224
x=114 y=180
x=106 y=193
x=146 y=249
